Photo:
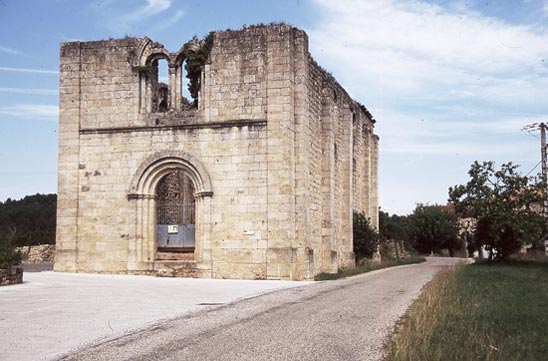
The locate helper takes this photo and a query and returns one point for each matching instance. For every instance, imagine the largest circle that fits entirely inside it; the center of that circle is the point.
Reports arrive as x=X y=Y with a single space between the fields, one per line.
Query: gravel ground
x=347 y=319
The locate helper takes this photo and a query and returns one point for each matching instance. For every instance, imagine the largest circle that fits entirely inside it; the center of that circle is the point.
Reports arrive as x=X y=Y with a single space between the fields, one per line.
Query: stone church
x=254 y=174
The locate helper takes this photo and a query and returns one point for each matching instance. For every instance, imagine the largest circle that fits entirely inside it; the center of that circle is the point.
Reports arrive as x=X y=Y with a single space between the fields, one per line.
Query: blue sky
x=449 y=82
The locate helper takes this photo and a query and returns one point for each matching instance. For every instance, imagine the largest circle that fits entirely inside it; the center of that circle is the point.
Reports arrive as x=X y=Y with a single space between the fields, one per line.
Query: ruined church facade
x=255 y=177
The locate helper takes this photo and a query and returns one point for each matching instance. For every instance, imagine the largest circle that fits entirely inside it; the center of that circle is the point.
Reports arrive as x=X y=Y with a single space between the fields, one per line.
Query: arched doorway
x=175 y=215
x=143 y=195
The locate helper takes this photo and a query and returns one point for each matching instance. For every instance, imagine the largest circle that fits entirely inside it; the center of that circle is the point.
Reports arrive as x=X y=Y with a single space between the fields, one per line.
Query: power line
x=530 y=134
x=534 y=128
x=535 y=167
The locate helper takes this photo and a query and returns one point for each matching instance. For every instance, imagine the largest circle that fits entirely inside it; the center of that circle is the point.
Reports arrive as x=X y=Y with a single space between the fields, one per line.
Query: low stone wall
x=43 y=253
x=11 y=276
x=389 y=252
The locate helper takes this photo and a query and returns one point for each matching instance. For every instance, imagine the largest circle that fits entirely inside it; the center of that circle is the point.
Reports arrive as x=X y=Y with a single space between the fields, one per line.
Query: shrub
x=9 y=255
x=366 y=239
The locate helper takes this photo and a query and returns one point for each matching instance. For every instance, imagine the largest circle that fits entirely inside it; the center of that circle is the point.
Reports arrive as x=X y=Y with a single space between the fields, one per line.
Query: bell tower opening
x=175 y=216
x=159 y=86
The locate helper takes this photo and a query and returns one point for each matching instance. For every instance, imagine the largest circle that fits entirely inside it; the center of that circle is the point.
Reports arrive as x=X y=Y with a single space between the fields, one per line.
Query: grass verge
x=496 y=311
x=370 y=266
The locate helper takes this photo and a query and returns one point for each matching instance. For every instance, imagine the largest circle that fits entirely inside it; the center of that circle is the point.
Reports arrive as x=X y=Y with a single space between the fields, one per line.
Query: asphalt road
x=348 y=319
x=53 y=313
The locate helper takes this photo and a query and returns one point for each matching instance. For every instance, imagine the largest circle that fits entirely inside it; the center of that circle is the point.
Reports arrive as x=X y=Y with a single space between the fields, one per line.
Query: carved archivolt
x=160 y=164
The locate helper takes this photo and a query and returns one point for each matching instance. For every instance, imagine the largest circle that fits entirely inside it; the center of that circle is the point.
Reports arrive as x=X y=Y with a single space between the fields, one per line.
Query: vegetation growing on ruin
x=367 y=112
x=196 y=53
x=478 y=312
x=142 y=69
x=263 y=25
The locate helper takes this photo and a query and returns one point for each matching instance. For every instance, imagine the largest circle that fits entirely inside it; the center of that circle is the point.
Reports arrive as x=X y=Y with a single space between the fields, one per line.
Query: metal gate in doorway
x=175 y=214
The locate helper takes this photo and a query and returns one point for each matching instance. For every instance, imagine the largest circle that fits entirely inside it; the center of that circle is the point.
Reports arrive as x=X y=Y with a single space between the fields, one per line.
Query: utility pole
x=542 y=127
x=543 y=160
x=530 y=129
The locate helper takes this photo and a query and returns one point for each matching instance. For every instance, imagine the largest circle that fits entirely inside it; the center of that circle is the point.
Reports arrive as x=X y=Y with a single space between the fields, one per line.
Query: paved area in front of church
x=52 y=314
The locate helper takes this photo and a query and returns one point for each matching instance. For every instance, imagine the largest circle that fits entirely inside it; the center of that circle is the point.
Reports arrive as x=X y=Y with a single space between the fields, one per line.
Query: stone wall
x=277 y=152
x=38 y=254
x=342 y=160
x=11 y=276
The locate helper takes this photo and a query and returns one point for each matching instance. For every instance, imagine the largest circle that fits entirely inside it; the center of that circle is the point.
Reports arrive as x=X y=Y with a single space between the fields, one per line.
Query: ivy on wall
x=142 y=69
x=196 y=53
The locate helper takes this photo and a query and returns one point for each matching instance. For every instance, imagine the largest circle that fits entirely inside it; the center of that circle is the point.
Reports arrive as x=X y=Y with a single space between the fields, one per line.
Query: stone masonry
x=11 y=276
x=275 y=151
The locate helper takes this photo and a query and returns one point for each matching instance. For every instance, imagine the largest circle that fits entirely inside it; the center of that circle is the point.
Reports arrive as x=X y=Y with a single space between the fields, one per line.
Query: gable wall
x=268 y=124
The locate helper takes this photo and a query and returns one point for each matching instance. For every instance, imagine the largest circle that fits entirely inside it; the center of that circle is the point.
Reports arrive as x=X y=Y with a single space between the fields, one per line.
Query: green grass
x=370 y=266
x=496 y=311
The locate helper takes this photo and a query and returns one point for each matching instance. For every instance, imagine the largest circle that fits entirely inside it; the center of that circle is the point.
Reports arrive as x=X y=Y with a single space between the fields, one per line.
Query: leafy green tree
x=366 y=238
x=391 y=226
x=433 y=228
x=503 y=203
x=393 y=234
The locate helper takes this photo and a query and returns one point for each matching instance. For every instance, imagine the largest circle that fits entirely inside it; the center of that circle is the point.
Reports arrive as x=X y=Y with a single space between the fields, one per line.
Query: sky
x=449 y=82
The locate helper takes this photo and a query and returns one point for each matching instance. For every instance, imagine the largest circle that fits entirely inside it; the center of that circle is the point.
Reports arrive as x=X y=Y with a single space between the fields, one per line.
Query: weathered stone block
x=11 y=276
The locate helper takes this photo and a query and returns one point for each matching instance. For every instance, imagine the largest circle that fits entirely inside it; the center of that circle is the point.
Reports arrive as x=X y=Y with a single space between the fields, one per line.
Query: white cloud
x=120 y=20
x=393 y=49
x=5 y=49
x=156 y=6
x=151 y=8
x=447 y=86
x=41 y=111
x=29 y=70
x=29 y=91
x=170 y=21
x=545 y=7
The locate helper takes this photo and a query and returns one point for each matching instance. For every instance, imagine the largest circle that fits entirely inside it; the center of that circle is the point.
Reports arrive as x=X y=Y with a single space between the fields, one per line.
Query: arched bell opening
x=161 y=97
x=187 y=100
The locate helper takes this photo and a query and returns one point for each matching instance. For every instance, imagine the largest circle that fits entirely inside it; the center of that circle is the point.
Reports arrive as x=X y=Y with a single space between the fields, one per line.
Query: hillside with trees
x=30 y=220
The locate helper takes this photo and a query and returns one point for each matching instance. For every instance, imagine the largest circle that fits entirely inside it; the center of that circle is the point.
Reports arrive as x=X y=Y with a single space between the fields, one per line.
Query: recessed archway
x=150 y=186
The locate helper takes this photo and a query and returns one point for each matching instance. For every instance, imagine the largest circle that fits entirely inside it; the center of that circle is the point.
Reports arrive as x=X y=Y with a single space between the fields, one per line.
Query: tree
x=433 y=228
x=366 y=239
x=393 y=234
x=502 y=202
x=30 y=220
